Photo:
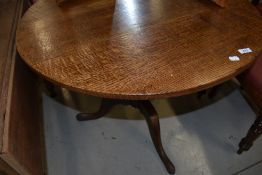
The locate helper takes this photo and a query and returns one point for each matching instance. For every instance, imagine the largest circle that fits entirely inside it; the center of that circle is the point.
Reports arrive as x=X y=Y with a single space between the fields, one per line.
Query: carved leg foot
x=254 y=132
x=153 y=124
x=105 y=107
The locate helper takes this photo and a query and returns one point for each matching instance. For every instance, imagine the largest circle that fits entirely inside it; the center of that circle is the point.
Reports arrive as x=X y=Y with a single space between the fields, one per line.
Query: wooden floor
x=200 y=136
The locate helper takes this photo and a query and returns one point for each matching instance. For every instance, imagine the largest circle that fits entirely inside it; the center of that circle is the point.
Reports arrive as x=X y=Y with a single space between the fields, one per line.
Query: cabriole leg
x=152 y=119
x=253 y=133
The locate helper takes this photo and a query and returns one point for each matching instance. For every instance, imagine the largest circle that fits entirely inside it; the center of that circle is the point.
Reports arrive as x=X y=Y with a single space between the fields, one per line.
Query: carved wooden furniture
x=131 y=51
x=21 y=141
x=251 y=82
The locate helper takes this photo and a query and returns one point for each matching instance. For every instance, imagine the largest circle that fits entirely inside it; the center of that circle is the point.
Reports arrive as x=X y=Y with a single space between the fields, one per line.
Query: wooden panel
x=10 y=10
x=5 y=169
x=23 y=144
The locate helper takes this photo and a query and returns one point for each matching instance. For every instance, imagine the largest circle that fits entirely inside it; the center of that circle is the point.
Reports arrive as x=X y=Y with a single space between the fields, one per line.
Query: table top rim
x=134 y=96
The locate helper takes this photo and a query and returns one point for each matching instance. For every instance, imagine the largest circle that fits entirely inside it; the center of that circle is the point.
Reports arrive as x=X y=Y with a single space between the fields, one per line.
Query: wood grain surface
x=9 y=15
x=138 y=49
x=21 y=145
x=23 y=137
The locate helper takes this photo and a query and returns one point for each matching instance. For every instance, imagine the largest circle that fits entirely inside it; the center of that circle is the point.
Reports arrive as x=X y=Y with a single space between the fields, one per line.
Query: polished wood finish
x=151 y=116
x=138 y=49
x=21 y=145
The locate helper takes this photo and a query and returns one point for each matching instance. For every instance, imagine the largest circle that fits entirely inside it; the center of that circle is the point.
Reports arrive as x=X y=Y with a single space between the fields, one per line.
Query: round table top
x=138 y=49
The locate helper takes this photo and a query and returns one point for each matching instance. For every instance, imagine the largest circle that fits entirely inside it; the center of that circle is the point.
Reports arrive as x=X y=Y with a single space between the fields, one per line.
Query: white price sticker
x=244 y=50
x=234 y=58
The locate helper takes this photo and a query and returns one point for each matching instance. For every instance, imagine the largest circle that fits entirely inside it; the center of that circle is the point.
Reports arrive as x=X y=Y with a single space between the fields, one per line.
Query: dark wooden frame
x=21 y=126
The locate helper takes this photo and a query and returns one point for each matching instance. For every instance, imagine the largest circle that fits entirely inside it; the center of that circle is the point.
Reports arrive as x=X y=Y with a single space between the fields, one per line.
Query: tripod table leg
x=254 y=132
x=105 y=107
x=152 y=119
x=151 y=116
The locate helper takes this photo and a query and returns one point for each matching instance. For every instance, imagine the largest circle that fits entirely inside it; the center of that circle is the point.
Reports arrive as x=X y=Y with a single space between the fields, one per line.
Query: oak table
x=132 y=51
